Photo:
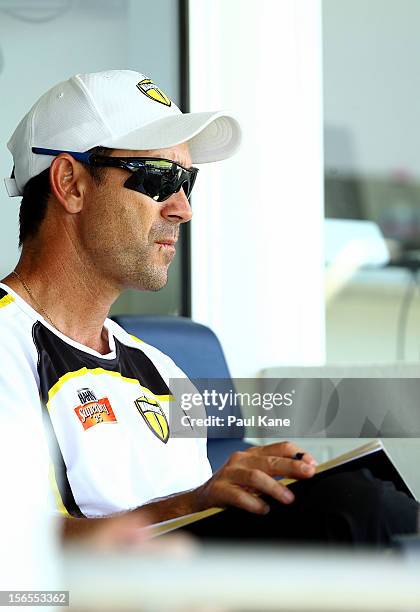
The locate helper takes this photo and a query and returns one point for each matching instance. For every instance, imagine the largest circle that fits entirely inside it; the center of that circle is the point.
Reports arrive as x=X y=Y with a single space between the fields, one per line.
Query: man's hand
x=254 y=471
x=236 y=483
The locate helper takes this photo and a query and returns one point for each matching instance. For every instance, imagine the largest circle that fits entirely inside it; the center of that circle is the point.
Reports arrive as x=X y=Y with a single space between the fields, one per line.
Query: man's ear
x=68 y=182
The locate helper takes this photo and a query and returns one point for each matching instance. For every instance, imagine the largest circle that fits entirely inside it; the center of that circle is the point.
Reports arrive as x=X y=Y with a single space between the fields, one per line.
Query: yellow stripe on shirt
x=56 y=492
x=98 y=371
x=136 y=339
x=6 y=300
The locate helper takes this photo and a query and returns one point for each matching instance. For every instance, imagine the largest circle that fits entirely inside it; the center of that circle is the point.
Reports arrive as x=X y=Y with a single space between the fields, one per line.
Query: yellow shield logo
x=153 y=416
x=153 y=92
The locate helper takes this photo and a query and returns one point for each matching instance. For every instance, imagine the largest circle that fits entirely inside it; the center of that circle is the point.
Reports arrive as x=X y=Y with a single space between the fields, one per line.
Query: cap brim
x=211 y=136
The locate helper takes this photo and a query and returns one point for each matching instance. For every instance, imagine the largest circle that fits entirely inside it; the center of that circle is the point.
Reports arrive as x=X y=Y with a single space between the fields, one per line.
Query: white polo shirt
x=107 y=416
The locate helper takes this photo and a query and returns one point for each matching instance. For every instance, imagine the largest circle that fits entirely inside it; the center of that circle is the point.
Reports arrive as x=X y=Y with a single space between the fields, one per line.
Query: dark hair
x=33 y=206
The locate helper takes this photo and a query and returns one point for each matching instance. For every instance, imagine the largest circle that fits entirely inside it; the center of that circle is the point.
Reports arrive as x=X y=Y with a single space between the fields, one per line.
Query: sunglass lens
x=186 y=186
x=153 y=186
x=160 y=182
x=135 y=181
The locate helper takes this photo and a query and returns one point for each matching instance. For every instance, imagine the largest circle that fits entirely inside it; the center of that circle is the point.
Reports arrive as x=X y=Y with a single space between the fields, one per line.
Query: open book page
x=357 y=453
x=176 y=523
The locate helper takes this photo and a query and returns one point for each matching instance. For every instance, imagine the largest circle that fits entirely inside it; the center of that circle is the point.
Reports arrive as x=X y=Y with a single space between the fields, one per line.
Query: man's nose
x=177 y=208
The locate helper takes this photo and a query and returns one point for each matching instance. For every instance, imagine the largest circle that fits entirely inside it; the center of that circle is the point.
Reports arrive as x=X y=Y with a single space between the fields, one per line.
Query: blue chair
x=197 y=351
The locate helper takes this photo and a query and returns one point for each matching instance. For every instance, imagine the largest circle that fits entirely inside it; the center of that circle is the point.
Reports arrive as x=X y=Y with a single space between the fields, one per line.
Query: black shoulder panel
x=56 y=358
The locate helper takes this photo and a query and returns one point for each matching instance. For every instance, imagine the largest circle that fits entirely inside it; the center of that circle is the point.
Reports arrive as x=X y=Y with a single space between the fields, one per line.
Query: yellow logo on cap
x=153 y=92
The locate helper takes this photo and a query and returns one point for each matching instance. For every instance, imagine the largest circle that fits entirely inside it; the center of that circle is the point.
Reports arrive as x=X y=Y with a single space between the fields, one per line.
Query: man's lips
x=167 y=245
x=166 y=241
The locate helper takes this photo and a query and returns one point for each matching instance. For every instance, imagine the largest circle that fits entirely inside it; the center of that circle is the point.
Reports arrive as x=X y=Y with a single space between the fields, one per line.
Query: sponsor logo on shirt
x=153 y=416
x=92 y=410
x=86 y=395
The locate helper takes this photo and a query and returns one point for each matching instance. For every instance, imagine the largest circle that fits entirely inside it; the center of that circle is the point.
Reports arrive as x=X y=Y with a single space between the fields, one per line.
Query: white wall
x=372 y=85
x=257 y=230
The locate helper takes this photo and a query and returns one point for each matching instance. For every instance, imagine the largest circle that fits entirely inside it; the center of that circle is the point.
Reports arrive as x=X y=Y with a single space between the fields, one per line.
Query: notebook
x=372 y=456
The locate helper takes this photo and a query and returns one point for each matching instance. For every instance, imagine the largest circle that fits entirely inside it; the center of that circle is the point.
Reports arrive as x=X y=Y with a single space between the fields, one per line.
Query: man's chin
x=156 y=287
x=154 y=282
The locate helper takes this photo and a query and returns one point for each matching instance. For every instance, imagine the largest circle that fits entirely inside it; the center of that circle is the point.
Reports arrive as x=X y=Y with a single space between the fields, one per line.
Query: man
x=104 y=165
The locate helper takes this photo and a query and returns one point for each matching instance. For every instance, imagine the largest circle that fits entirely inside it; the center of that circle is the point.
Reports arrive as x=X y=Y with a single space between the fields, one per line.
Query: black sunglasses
x=152 y=176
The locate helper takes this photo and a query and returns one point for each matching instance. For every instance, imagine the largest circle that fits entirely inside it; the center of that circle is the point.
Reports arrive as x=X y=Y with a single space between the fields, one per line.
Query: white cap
x=121 y=109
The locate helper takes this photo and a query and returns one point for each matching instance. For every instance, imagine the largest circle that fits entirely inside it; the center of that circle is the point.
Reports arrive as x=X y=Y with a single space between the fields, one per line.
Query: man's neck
x=75 y=301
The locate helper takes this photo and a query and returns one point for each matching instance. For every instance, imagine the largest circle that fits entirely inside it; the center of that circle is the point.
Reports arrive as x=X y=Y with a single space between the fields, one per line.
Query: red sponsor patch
x=93 y=413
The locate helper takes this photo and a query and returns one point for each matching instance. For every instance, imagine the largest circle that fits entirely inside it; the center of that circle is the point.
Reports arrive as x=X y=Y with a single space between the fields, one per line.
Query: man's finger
x=283 y=449
x=278 y=466
x=241 y=498
x=264 y=484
